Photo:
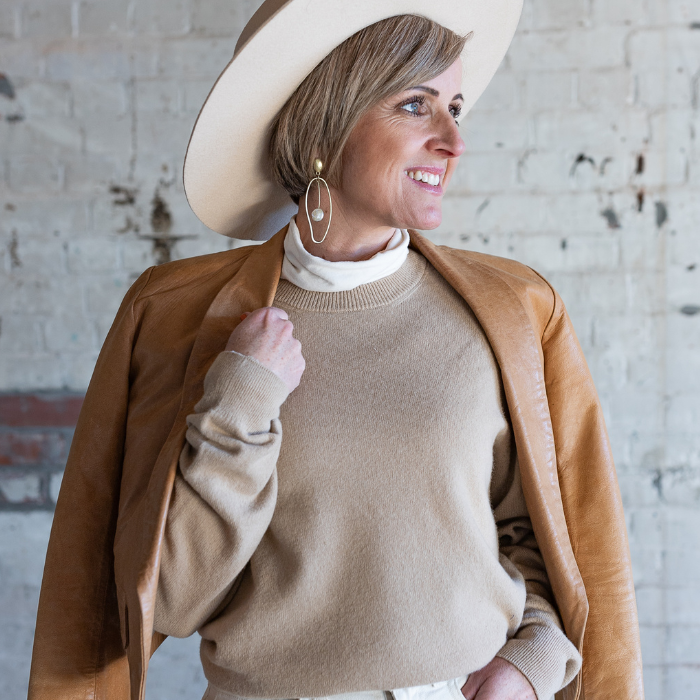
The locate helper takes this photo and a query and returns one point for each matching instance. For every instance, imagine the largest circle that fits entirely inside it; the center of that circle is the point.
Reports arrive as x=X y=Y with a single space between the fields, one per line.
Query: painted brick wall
x=583 y=161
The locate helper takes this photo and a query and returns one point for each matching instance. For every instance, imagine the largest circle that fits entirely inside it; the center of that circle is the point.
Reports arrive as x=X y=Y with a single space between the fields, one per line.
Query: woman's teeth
x=423 y=177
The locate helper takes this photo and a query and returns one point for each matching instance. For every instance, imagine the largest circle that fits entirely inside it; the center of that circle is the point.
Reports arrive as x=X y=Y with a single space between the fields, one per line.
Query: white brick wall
x=583 y=161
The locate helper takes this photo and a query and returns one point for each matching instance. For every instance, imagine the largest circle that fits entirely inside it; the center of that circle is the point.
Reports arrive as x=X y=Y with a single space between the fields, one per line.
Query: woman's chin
x=426 y=222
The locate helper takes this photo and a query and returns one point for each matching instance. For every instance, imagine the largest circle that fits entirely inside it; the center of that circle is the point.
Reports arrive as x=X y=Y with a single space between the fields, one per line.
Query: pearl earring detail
x=318 y=214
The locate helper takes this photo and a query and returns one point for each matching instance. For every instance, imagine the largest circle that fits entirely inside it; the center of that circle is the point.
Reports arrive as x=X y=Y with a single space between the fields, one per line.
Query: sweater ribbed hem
x=545 y=656
x=241 y=387
x=390 y=289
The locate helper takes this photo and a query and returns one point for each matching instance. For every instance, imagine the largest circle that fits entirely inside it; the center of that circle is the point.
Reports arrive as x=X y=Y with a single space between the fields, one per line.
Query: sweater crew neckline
x=388 y=290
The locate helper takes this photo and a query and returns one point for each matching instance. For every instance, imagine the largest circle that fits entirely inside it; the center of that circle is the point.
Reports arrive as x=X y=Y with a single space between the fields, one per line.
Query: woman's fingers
x=471 y=687
x=266 y=335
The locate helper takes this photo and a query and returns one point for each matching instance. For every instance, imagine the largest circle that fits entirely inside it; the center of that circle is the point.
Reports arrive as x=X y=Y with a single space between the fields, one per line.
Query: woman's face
x=411 y=132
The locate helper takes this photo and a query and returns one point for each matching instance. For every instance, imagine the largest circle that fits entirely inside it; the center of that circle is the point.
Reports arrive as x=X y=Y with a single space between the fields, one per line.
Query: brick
x=155 y=17
x=45 y=216
x=682 y=569
x=19 y=488
x=34 y=253
x=650 y=605
x=38 y=293
x=472 y=175
x=46 y=20
x=202 y=245
x=548 y=14
x=43 y=99
x=30 y=174
x=22 y=373
x=654 y=683
x=548 y=89
x=684 y=448
x=106 y=295
x=681 y=485
x=20 y=61
x=46 y=137
x=163 y=134
x=94 y=172
x=652 y=639
x=37 y=448
x=99 y=98
x=107 y=135
x=684 y=644
x=608 y=89
x=195 y=58
x=87 y=60
x=646 y=528
x=69 y=334
x=648 y=569
x=218 y=18
x=682 y=607
x=678 y=11
x=545 y=253
x=9 y=21
x=583 y=132
x=678 y=46
x=684 y=411
x=626 y=12
x=500 y=95
x=483 y=131
x=659 y=88
x=161 y=96
x=77 y=369
x=194 y=93
x=682 y=682
x=40 y=410
x=19 y=334
x=601 y=47
x=102 y=17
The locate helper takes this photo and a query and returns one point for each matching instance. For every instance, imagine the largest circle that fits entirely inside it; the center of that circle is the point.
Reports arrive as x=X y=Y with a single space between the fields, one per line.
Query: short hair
x=378 y=61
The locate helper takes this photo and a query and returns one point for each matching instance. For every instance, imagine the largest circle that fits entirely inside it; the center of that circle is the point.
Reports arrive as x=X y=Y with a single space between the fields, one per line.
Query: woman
x=437 y=414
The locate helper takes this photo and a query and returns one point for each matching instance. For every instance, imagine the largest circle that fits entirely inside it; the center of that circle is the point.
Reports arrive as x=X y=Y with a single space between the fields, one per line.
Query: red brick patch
x=40 y=410
x=35 y=435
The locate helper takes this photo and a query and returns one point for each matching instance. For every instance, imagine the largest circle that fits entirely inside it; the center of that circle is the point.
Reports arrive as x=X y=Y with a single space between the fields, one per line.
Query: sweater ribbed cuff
x=241 y=388
x=545 y=656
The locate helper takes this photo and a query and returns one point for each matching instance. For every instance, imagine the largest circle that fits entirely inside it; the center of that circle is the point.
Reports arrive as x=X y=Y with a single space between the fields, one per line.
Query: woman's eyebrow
x=434 y=92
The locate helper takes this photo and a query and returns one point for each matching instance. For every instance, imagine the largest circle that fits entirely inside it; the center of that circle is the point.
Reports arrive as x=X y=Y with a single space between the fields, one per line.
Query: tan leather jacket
x=94 y=633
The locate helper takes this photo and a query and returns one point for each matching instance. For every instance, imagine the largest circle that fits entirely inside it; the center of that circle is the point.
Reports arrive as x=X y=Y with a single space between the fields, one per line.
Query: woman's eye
x=412 y=107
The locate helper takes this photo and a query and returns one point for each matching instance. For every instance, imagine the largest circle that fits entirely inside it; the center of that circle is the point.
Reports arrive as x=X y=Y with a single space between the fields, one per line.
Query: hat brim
x=226 y=175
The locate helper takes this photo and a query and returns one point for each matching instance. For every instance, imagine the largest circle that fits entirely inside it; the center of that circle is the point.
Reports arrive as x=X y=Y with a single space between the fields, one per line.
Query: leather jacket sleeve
x=76 y=650
x=591 y=497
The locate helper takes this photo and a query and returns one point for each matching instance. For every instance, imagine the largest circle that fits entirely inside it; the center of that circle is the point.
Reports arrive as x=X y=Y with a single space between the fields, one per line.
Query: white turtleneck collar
x=318 y=275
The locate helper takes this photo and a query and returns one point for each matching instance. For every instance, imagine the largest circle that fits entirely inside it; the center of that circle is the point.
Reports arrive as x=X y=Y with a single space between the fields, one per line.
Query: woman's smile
x=428 y=178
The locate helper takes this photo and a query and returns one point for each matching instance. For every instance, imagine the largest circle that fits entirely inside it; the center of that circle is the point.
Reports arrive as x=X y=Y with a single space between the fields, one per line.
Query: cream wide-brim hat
x=227 y=178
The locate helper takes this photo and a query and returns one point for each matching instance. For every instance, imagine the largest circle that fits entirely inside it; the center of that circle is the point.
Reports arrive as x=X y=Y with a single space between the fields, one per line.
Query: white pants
x=443 y=690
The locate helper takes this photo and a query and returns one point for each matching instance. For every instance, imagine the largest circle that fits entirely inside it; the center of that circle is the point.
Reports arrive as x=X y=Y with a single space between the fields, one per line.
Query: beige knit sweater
x=382 y=540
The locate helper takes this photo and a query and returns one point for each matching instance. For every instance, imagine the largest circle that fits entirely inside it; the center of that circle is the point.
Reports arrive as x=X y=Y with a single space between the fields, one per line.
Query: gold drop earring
x=318 y=213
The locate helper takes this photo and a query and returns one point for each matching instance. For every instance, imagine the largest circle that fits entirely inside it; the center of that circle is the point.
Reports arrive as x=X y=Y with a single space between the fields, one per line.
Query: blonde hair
x=378 y=61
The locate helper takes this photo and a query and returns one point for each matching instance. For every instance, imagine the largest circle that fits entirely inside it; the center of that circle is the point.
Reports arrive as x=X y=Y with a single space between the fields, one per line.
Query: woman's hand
x=498 y=680
x=266 y=335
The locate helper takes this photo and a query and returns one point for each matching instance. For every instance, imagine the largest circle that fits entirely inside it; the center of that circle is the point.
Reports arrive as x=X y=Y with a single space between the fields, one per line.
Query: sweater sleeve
x=224 y=493
x=539 y=648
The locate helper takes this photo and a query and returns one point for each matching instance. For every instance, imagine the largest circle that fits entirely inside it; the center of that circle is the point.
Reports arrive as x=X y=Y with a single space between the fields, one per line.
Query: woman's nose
x=449 y=141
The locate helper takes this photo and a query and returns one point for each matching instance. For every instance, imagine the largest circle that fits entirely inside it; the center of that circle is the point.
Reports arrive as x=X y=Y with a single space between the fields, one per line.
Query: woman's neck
x=345 y=241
